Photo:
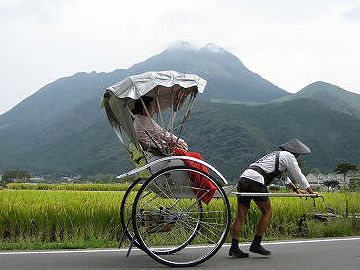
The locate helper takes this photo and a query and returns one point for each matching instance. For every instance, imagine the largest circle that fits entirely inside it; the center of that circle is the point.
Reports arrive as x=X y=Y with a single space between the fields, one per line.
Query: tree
x=332 y=184
x=344 y=168
x=18 y=175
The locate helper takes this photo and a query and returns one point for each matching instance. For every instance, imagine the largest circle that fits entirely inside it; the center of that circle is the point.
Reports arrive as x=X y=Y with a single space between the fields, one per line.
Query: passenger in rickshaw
x=151 y=135
x=155 y=139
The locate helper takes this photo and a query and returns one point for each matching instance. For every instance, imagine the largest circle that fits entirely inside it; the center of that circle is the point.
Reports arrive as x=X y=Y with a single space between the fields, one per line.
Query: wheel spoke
x=171 y=216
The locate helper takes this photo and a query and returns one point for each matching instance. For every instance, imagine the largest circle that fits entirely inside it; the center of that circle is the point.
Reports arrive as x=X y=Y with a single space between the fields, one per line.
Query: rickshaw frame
x=174 y=198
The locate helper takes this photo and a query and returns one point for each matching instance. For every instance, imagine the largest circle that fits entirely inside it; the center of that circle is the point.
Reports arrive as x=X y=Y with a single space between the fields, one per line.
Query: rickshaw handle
x=253 y=194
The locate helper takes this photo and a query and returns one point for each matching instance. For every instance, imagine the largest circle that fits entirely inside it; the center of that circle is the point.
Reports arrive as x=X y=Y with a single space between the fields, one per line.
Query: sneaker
x=260 y=250
x=237 y=253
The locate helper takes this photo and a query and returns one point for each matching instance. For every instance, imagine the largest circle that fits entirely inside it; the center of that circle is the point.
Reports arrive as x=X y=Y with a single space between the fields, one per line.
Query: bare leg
x=239 y=219
x=235 y=233
x=263 y=224
x=266 y=213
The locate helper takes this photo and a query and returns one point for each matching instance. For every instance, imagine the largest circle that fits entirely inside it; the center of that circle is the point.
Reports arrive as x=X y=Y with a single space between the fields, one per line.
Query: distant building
x=354 y=181
x=317 y=180
x=70 y=179
x=36 y=179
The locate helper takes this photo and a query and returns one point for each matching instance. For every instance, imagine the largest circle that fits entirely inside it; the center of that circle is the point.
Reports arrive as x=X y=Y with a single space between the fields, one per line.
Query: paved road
x=340 y=253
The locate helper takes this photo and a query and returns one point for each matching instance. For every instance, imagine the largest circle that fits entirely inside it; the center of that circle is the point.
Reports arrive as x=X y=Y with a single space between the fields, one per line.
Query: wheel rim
x=126 y=214
x=171 y=222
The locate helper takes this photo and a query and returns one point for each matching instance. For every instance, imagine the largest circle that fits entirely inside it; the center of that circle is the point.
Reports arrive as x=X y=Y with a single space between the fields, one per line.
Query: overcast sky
x=291 y=43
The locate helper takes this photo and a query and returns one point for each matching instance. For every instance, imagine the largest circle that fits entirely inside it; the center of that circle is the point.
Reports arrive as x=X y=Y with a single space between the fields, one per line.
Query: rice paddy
x=55 y=218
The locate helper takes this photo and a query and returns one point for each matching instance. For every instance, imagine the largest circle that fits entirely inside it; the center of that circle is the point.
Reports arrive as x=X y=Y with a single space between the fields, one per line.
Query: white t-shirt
x=287 y=162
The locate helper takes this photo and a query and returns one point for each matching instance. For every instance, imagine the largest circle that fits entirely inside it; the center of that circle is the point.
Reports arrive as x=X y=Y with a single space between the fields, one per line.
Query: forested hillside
x=62 y=130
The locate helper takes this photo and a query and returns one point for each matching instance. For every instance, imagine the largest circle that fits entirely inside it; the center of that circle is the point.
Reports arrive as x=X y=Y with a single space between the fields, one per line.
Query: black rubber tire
x=157 y=255
x=125 y=223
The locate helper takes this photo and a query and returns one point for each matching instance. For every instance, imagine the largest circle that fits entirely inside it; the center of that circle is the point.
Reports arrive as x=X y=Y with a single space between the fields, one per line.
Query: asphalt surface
x=339 y=253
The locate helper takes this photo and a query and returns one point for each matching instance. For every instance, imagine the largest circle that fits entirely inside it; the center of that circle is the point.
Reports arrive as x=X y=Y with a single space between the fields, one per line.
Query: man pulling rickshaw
x=256 y=178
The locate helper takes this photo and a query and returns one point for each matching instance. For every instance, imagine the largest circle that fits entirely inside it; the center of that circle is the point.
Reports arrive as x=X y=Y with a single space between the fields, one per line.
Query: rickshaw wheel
x=125 y=214
x=172 y=224
x=126 y=218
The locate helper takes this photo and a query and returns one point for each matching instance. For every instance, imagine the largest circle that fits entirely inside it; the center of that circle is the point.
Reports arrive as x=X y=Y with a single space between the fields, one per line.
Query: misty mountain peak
x=187 y=46
x=208 y=49
x=182 y=46
x=211 y=47
x=209 y=56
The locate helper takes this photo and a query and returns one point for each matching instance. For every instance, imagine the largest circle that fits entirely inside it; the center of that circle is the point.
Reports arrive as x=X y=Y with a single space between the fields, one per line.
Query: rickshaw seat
x=141 y=158
x=177 y=184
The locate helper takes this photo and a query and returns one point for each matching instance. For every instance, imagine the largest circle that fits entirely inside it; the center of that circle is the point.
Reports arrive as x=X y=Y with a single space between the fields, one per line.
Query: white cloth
x=287 y=162
x=159 y=137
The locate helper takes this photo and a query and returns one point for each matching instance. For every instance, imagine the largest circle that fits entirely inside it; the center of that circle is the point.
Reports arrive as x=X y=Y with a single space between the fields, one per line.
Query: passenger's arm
x=168 y=137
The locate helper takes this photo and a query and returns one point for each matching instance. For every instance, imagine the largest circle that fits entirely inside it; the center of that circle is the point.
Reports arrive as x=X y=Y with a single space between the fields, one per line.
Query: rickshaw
x=163 y=211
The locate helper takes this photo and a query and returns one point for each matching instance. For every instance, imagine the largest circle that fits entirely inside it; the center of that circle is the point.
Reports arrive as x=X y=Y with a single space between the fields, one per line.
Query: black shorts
x=248 y=185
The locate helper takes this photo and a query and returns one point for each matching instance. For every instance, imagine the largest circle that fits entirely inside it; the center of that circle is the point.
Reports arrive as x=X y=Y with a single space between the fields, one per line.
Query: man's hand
x=301 y=191
x=311 y=191
x=295 y=188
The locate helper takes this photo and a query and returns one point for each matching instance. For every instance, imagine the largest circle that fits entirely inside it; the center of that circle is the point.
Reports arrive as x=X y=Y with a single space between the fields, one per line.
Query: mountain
x=237 y=135
x=62 y=130
x=228 y=78
x=56 y=111
x=330 y=95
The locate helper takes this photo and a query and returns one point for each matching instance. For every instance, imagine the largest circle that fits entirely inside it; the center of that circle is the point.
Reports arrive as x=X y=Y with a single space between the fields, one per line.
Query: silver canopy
x=169 y=89
x=166 y=84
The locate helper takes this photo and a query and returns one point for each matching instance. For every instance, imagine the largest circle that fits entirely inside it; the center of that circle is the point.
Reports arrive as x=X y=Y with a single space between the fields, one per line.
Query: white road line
x=135 y=249
x=303 y=241
x=315 y=241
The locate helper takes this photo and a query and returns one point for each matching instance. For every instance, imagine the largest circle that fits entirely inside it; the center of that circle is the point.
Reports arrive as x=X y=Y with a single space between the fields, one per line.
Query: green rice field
x=77 y=187
x=55 y=218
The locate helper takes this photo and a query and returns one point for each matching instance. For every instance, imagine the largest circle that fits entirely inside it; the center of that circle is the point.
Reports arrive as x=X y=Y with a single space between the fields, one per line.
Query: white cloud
x=38 y=11
x=353 y=14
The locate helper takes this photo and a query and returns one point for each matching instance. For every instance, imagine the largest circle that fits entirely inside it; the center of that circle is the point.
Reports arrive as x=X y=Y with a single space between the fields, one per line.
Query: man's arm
x=300 y=191
x=295 y=173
